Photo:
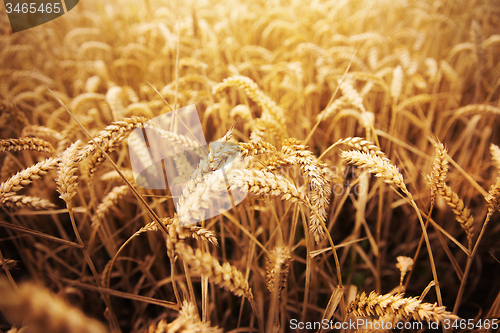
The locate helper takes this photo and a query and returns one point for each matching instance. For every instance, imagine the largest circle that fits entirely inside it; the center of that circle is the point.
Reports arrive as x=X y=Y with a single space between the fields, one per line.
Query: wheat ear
x=265 y=183
x=404 y=264
x=108 y=139
x=362 y=145
x=495 y=154
x=493 y=198
x=24 y=201
x=66 y=178
x=26 y=176
x=27 y=143
x=439 y=170
x=41 y=131
x=352 y=95
x=380 y=166
x=253 y=148
x=493 y=204
x=462 y=213
x=319 y=179
x=399 y=307
x=383 y=168
x=271 y=109
x=226 y=275
x=397 y=82
x=44 y=311
x=108 y=201
x=187 y=321
x=277 y=267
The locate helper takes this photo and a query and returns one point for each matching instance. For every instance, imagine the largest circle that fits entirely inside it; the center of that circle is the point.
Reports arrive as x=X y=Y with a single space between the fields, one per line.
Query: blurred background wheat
x=368 y=125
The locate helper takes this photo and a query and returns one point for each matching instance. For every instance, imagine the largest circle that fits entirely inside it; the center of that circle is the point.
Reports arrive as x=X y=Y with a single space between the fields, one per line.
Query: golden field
x=370 y=135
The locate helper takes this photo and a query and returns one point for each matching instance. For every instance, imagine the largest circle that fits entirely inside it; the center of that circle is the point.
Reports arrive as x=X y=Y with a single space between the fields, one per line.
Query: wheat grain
x=199 y=193
x=367 y=120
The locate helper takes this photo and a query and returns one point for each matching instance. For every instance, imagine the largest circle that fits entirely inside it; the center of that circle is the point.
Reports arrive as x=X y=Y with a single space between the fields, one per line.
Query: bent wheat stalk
x=382 y=168
x=493 y=204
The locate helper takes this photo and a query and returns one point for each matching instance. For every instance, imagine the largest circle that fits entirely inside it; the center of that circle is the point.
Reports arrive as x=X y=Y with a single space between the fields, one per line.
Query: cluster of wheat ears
x=369 y=131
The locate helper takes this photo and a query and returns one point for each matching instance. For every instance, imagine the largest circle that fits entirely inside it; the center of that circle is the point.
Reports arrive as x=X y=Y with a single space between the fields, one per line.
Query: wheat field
x=370 y=137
